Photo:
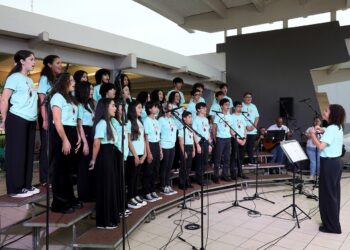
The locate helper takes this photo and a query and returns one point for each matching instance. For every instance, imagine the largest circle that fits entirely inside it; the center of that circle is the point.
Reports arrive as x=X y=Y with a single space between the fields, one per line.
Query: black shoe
x=216 y=179
x=225 y=178
x=203 y=183
x=182 y=187
x=77 y=204
x=68 y=210
x=189 y=185
x=233 y=177
x=323 y=229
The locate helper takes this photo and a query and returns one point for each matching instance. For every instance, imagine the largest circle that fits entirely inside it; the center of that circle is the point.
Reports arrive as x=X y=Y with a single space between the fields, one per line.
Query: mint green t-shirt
x=96 y=95
x=223 y=131
x=24 y=98
x=86 y=116
x=101 y=132
x=69 y=111
x=168 y=131
x=333 y=136
x=239 y=124
x=152 y=129
x=252 y=114
x=201 y=125
x=118 y=142
x=44 y=85
x=139 y=143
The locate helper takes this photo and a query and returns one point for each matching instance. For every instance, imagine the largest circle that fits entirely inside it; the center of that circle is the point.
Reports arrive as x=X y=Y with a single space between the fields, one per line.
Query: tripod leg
x=284 y=210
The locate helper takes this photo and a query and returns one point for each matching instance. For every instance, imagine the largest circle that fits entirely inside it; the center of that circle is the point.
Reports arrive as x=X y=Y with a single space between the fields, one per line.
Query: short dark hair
x=99 y=73
x=150 y=105
x=194 y=91
x=237 y=103
x=177 y=80
x=223 y=85
x=223 y=101
x=78 y=75
x=198 y=85
x=185 y=114
x=336 y=115
x=105 y=88
x=200 y=105
x=247 y=93
x=218 y=93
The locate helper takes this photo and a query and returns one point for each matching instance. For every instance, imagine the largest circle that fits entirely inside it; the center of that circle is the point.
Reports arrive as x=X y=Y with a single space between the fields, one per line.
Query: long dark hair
x=132 y=117
x=122 y=76
x=82 y=94
x=102 y=114
x=61 y=86
x=78 y=75
x=155 y=96
x=336 y=115
x=172 y=97
x=47 y=71
x=20 y=55
x=142 y=97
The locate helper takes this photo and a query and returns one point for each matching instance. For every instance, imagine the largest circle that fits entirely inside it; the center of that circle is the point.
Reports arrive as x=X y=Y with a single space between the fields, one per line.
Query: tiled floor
x=232 y=229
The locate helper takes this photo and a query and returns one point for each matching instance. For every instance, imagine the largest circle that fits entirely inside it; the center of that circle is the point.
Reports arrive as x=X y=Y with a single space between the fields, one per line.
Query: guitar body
x=269 y=145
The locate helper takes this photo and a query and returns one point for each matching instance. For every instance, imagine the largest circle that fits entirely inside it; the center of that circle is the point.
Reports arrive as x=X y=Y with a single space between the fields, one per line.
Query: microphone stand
x=183 y=206
x=256 y=195
x=117 y=82
x=235 y=203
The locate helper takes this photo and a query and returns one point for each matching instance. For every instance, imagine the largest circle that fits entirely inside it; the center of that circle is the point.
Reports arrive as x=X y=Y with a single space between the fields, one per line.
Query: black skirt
x=106 y=186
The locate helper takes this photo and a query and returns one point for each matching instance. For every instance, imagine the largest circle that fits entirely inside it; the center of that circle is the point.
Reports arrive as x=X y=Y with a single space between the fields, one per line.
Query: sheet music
x=293 y=151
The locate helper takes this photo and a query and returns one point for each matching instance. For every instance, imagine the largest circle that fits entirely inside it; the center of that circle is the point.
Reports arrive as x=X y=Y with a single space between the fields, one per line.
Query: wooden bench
x=57 y=220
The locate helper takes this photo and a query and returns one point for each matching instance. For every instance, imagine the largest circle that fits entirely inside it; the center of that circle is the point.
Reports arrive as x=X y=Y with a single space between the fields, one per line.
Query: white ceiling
x=219 y=15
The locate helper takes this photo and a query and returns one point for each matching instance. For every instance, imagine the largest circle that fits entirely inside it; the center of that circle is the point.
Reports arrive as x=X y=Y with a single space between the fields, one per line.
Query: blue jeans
x=278 y=155
x=311 y=152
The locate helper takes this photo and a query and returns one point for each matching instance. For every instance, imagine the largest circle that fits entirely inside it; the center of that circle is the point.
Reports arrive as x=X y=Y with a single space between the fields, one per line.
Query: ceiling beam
x=40 y=39
x=347 y=4
x=259 y=5
x=126 y=62
x=161 y=8
x=217 y=6
x=334 y=68
x=183 y=69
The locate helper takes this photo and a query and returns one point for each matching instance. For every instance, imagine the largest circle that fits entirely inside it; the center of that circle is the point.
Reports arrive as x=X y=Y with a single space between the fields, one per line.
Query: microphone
x=173 y=110
x=217 y=112
x=304 y=100
x=243 y=112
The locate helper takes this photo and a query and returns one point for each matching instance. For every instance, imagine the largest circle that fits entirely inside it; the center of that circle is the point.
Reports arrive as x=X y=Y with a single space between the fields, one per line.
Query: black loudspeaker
x=286 y=106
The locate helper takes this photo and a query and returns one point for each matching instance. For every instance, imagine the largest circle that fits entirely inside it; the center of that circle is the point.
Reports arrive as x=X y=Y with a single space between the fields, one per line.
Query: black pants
x=19 y=153
x=132 y=176
x=249 y=147
x=201 y=162
x=222 y=152
x=43 y=159
x=63 y=166
x=106 y=186
x=87 y=178
x=165 y=166
x=119 y=180
x=329 y=193
x=150 y=170
x=177 y=155
x=184 y=174
x=236 y=167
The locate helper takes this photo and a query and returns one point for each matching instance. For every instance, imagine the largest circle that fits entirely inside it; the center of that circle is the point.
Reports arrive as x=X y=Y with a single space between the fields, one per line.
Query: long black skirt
x=106 y=186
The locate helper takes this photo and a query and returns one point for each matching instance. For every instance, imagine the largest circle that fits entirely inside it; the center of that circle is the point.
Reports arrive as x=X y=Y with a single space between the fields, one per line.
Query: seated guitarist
x=277 y=152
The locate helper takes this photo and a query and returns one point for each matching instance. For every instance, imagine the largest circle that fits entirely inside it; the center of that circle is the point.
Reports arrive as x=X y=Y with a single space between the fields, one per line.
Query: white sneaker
x=140 y=201
x=133 y=204
x=22 y=194
x=165 y=191
x=171 y=190
x=149 y=198
x=33 y=190
x=155 y=196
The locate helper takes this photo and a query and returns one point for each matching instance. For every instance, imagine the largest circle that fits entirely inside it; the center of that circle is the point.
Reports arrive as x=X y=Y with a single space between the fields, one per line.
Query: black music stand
x=295 y=154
